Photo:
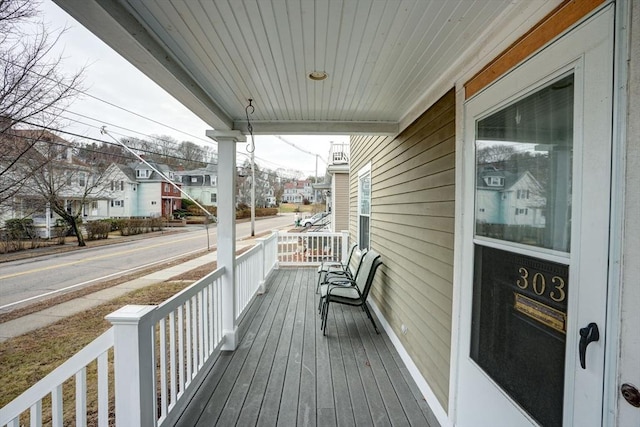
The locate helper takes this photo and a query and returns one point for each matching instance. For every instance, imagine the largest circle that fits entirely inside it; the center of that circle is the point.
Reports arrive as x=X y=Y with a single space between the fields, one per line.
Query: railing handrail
x=57 y=377
x=181 y=297
x=248 y=254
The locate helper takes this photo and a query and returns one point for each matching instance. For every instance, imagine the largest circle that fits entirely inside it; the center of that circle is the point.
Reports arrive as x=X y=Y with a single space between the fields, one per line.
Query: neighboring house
x=495 y=329
x=336 y=186
x=36 y=165
x=157 y=196
x=508 y=198
x=298 y=191
x=201 y=184
x=122 y=191
x=136 y=190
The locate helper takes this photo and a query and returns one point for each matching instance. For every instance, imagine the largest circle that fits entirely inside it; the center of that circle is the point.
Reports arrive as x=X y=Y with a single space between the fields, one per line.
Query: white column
x=134 y=366
x=227 y=228
x=263 y=261
x=345 y=245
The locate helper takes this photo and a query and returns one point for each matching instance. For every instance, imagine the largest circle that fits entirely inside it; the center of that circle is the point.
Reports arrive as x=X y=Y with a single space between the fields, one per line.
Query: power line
x=84 y=92
x=142 y=150
x=51 y=129
x=298 y=148
x=151 y=140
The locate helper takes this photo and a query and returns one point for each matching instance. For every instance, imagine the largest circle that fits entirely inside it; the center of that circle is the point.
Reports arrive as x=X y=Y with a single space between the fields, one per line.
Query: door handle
x=588 y=335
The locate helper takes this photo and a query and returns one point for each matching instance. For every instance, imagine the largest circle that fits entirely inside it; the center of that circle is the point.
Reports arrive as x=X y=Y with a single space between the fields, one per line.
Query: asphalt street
x=37 y=278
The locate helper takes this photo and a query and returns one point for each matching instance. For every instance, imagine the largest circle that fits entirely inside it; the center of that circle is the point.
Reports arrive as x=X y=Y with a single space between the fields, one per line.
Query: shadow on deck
x=285 y=372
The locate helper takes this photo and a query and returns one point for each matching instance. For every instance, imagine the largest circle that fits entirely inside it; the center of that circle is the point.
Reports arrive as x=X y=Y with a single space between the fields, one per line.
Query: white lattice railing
x=160 y=354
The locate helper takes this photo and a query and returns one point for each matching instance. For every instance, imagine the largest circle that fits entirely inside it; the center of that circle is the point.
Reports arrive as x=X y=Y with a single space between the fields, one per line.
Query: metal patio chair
x=338 y=268
x=350 y=291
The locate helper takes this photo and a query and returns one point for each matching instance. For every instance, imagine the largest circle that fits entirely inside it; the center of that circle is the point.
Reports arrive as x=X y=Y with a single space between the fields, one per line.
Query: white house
x=201 y=184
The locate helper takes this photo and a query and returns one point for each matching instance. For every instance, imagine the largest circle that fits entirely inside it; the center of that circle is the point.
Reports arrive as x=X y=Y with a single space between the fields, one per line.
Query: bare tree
x=33 y=91
x=193 y=155
x=63 y=183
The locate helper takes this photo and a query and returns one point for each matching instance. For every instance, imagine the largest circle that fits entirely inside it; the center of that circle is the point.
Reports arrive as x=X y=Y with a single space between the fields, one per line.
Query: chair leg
x=366 y=309
x=321 y=311
x=325 y=316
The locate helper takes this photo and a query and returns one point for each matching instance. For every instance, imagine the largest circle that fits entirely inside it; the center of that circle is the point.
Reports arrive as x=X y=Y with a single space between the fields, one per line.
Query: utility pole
x=253 y=196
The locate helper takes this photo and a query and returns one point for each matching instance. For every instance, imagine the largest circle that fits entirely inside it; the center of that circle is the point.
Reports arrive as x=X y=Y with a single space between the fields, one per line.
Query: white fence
x=149 y=364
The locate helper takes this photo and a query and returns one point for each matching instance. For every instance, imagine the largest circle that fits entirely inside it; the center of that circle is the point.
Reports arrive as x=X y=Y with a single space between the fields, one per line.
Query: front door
x=535 y=252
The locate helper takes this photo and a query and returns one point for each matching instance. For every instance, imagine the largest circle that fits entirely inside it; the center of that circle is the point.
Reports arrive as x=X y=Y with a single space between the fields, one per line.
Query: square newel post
x=263 y=261
x=227 y=228
x=345 y=245
x=134 y=365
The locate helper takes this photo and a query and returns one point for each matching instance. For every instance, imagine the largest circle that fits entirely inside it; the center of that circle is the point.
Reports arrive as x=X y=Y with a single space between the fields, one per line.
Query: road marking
x=2 y=307
x=67 y=264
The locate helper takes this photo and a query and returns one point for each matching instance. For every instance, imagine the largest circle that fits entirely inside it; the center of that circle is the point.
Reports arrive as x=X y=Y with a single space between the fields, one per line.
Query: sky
x=111 y=78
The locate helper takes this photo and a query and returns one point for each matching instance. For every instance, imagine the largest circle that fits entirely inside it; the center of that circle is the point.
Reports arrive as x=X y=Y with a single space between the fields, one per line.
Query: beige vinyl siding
x=340 y=194
x=412 y=226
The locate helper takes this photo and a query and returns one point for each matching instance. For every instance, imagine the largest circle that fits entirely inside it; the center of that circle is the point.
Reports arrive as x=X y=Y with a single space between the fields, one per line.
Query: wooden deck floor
x=286 y=373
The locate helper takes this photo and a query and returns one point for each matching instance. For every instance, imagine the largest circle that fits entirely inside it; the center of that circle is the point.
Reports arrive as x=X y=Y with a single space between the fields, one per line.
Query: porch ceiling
x=381 y=56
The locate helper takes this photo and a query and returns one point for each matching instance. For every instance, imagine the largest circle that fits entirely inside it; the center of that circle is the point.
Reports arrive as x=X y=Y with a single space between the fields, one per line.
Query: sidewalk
x=52 y=314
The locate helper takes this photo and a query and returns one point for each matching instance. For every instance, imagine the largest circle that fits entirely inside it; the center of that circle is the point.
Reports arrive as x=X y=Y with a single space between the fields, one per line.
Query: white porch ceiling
x=381 y=56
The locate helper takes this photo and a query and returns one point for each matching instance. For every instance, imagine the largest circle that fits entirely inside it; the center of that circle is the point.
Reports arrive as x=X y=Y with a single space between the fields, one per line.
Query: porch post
x=263 y=261
x=133 y=365
x=345 y=245
x=227 y=228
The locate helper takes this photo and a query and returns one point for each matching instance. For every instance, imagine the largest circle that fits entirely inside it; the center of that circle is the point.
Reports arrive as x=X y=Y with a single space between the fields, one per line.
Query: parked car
x=314 y=220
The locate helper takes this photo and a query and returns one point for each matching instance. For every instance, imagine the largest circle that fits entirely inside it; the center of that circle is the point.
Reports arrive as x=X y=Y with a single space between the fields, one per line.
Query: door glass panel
x=518 y=329
x=523 y=195
x=523 y=169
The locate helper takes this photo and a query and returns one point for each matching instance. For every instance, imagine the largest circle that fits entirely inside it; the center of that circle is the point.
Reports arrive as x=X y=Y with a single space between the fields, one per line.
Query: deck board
x=286 y=373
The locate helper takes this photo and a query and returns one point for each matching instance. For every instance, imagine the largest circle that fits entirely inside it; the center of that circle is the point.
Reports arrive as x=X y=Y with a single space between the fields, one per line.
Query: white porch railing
x=311 y=248
x=160 y=353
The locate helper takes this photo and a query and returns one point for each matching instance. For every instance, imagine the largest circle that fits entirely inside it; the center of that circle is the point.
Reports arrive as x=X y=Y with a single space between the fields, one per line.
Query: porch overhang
x=383 y=61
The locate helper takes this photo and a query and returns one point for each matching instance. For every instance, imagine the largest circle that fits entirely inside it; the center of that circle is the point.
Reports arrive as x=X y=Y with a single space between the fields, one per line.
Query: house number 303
x=538 y=283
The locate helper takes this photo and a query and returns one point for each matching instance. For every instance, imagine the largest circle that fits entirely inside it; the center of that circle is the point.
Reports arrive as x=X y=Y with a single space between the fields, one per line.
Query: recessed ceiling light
x=317 y=76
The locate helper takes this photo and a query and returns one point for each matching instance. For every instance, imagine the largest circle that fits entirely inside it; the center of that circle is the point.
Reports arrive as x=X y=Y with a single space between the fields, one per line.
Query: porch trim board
x=563 y=17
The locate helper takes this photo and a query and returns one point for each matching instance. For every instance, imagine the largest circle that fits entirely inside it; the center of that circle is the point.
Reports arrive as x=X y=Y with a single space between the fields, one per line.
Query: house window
x=523 y=194
x=143 y=173
x=166 y=188
x=495 y=181
x=112 y=185
x=364 y=206
x=81 y=179
x=68 y=178
x=194 y=179
x=214 y=198
x=214 y=180
x=121 y=185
